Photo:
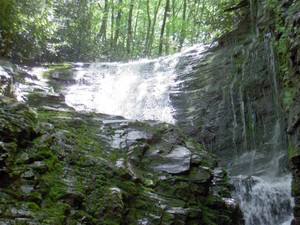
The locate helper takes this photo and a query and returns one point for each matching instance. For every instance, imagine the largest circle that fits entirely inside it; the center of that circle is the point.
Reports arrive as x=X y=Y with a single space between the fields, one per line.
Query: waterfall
x=263 y=190
x=264 y=200
x=181 y=89
x=137 y=90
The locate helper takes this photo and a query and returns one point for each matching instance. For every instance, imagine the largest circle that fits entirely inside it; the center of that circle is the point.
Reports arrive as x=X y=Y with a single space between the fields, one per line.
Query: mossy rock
x=66 y=171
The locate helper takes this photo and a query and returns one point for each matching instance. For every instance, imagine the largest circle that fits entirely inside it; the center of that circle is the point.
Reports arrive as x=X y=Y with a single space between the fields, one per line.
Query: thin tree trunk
x=118 y=23
x=135 y=26
x=183 y=26
x=173 y=23
x=129 y=29
x=149 y=49
x=198 y=20
x=102 y=32
x=112 y=18
x=148 y=29
x=161 y=39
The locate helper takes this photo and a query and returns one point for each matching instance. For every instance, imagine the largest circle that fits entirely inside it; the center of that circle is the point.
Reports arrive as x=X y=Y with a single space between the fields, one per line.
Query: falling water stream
x=136 y=90
x=141 y=90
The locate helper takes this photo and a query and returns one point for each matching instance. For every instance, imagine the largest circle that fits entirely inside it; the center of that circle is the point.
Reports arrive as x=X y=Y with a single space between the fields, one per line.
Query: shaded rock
x=28 y=175
x=230 y=101
x=5 y=179
x=200 y=175
x=174 y=162
x=290 y=38
x=6 y=83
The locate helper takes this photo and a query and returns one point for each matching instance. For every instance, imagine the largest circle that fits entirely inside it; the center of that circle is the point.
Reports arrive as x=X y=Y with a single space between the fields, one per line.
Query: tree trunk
x=118 y=23
x=112 y=19
x=135 y=36
x=146 y=50
x=102 y=32
x=151 y=39
x=183 y=26
x=129 y=29
x=161 y=39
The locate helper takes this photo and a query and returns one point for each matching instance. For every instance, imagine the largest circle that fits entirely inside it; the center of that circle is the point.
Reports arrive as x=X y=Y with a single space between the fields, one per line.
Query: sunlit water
x=136 y=90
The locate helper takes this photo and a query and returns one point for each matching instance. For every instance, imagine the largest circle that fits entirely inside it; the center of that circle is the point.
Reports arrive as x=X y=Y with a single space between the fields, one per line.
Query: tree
x=129 y=29
x=183 y=26
x=118 y=27
x=151 y=39
x=102 y=32
x=163 y=26
x=146 y=50
x=8 y=25
x=85 y=30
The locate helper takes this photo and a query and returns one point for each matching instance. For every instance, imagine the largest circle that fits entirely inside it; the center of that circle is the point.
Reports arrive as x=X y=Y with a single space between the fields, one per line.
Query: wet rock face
x=6 y=79
x=59 y=166
x=228 y=99
x=295 y=166
x=292 y=21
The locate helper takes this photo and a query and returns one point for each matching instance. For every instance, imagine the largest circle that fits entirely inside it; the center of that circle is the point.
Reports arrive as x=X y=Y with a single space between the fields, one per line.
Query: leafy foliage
x=85 y=30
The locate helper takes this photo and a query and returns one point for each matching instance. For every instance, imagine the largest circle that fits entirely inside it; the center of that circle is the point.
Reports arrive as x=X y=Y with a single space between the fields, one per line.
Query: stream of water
x=136 y=90
x=141 y=90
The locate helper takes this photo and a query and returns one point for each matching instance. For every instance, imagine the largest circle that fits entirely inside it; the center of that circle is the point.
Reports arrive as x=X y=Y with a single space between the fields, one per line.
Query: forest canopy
x=89 y=30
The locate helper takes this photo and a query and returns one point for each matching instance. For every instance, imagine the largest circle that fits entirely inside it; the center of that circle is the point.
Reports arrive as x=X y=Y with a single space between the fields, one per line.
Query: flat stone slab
x=175 y=162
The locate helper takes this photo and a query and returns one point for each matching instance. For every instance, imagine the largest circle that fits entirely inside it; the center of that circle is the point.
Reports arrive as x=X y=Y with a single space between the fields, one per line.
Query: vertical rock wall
x=291 y=38
x=230 y=101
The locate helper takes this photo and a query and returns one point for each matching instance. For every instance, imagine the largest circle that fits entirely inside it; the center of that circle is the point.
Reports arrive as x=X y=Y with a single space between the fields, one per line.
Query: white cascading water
x=136 y=90
x=264 y=200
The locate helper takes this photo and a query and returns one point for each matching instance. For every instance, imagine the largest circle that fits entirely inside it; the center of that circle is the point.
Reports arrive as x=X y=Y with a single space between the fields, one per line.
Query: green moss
x=292 y=150
x=129 y=188
x=295 y=185
x=35 y=197
x=51 y=186
x=79 y=215
x=54 y=213
x=209 y=216
x=32 y=206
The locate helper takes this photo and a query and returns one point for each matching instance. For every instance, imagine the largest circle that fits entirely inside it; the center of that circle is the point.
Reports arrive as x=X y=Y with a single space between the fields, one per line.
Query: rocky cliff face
x=232 y=101
x=291 y=43
x=59 y=166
